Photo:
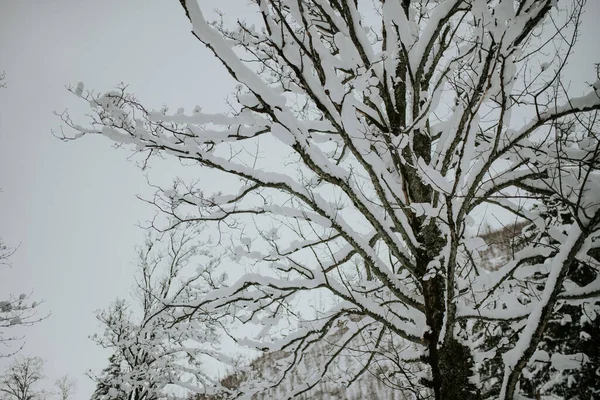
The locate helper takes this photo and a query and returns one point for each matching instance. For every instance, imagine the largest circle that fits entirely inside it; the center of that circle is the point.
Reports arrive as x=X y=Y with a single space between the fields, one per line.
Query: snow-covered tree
x=15 y=311
x=66 y=387
x=567 y=359
x=365 y=137
x=5 y=253
x=156 y=347
x=105 y=381
x=20 y=378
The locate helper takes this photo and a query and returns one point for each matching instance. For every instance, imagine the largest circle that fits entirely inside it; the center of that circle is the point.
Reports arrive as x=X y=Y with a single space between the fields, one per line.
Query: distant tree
x=66 y=387
x=20 y=378
x=357 y=154
x=107 y=379
x=153 y=347
x=14 y=310
x=5 y=253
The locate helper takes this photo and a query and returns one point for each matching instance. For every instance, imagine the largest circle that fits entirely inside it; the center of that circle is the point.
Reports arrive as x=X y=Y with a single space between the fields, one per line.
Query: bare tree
x=21 y=377
x=66 y=387
x=363 y=153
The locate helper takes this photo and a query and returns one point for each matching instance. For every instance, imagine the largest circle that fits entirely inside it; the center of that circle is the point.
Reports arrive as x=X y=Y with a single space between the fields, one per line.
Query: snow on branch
x=354 y=162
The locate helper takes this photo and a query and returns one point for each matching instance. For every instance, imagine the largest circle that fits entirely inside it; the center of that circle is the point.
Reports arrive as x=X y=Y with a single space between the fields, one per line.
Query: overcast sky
x=72 y=206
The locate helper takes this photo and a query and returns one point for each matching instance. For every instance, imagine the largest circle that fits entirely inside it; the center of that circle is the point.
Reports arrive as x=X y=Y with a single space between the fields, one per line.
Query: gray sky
x=72 y=206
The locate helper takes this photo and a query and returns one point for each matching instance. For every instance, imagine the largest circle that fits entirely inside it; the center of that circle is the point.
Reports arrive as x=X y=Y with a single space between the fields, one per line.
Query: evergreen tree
x=105 y=381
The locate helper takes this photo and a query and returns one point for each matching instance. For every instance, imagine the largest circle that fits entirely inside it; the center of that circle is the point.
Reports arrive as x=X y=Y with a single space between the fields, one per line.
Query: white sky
x=72 y=206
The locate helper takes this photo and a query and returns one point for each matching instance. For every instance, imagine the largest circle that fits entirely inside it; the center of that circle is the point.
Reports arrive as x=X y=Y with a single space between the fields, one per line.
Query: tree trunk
x=451 y=363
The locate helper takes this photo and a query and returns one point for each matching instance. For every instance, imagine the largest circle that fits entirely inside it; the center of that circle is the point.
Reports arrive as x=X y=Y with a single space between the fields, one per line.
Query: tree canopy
x=362 y=149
